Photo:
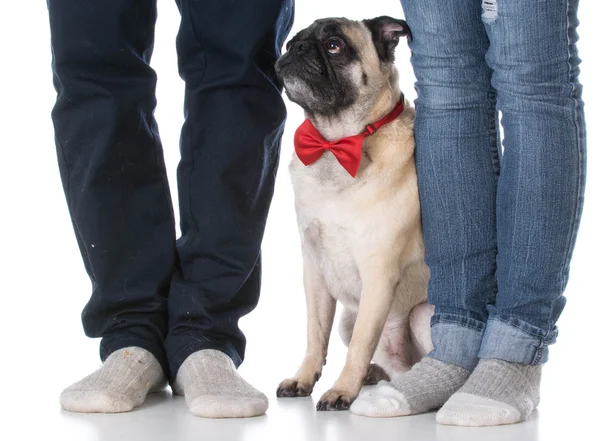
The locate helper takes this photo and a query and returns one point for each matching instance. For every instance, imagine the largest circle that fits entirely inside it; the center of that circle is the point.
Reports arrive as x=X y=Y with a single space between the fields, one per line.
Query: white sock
x=214 y=389
x=121 y=384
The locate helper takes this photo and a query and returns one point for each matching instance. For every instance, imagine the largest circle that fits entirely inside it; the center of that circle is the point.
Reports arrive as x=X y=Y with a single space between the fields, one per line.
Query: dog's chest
x=332 y=228
x=330 y=246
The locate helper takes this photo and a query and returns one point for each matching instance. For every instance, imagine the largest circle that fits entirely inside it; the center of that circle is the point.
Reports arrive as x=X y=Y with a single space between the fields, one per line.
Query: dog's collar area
x=371 y=129
x=395 y=113
x=310 y=144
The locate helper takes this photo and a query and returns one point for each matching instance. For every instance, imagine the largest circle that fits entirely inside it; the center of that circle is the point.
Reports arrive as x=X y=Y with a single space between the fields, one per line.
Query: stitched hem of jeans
x=455 y=343
x=533 y=346
x=183 y=353
x=548 y=336
x=459 y=320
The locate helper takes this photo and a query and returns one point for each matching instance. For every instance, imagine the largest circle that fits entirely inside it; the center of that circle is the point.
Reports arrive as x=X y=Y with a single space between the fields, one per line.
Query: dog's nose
x=283 y=61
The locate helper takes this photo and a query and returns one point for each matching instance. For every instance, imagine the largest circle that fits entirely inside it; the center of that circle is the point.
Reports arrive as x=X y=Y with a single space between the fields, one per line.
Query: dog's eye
x=334 y=45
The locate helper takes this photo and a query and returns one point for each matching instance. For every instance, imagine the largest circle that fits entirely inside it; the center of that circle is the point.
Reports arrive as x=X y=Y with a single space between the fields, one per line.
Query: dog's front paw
x=294 y=388
x=335 y=399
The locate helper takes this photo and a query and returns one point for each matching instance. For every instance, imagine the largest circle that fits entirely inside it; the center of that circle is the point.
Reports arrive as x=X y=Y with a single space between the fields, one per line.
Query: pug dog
x=357 y=207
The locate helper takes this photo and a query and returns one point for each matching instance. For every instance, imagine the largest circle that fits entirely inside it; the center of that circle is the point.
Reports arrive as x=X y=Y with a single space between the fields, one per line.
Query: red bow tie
x=310 y=144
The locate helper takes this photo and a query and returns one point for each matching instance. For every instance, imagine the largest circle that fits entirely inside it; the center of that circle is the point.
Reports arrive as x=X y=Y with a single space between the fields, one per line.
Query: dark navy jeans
x=499 y=224
x=149 y=290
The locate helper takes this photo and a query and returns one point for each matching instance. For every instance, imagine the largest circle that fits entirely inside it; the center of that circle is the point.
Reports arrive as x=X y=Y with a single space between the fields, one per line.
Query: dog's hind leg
x=375 y=375
x=395 y=352
x=420 y=329
x=406 y=336
x=346 y=326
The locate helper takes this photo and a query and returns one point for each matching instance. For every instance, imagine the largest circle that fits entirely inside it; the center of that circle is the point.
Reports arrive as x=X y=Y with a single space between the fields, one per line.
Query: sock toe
x=219 y=406
x=470 y=410
x=497 y=393
x=95 y=402
x=214 y=389
x=382 y=402
x=121 y=384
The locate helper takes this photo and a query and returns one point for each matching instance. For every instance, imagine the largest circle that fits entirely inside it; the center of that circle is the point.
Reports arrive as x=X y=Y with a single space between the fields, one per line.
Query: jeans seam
x=578 y=205
x=494 y=131
x=577 y=124
x=186 y=122
x=539 y=352
x=458 y=323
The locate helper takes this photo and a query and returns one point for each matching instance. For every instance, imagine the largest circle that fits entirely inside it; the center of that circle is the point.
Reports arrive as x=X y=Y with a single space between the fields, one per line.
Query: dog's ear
x=386 y=33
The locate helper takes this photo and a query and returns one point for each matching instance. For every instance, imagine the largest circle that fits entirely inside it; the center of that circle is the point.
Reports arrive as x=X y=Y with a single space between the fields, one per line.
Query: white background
x=43 y=285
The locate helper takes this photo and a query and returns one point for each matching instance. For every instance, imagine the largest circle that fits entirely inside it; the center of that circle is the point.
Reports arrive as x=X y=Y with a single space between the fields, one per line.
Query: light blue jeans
x=499 y=226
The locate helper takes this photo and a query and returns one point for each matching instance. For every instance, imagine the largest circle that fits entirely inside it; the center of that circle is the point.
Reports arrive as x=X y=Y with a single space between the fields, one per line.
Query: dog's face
x=337 y=63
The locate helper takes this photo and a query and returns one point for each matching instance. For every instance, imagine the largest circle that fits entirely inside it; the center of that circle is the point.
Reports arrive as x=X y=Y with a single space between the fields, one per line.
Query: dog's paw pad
x=335 y=400
x=293 y=388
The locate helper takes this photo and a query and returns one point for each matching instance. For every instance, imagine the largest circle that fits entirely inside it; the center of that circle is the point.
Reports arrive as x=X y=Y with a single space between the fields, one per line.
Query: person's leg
x=229 y=155
x=540 y=195
x=457 y=160
x=114 y=179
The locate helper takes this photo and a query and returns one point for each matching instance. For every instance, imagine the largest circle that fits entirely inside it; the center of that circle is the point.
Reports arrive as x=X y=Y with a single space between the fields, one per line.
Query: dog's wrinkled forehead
x=354 y=33
x=321 y=29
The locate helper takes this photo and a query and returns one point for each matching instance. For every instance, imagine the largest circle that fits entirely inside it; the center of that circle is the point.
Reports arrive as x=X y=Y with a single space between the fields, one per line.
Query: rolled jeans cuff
x=456 y=339
x=513 y=340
